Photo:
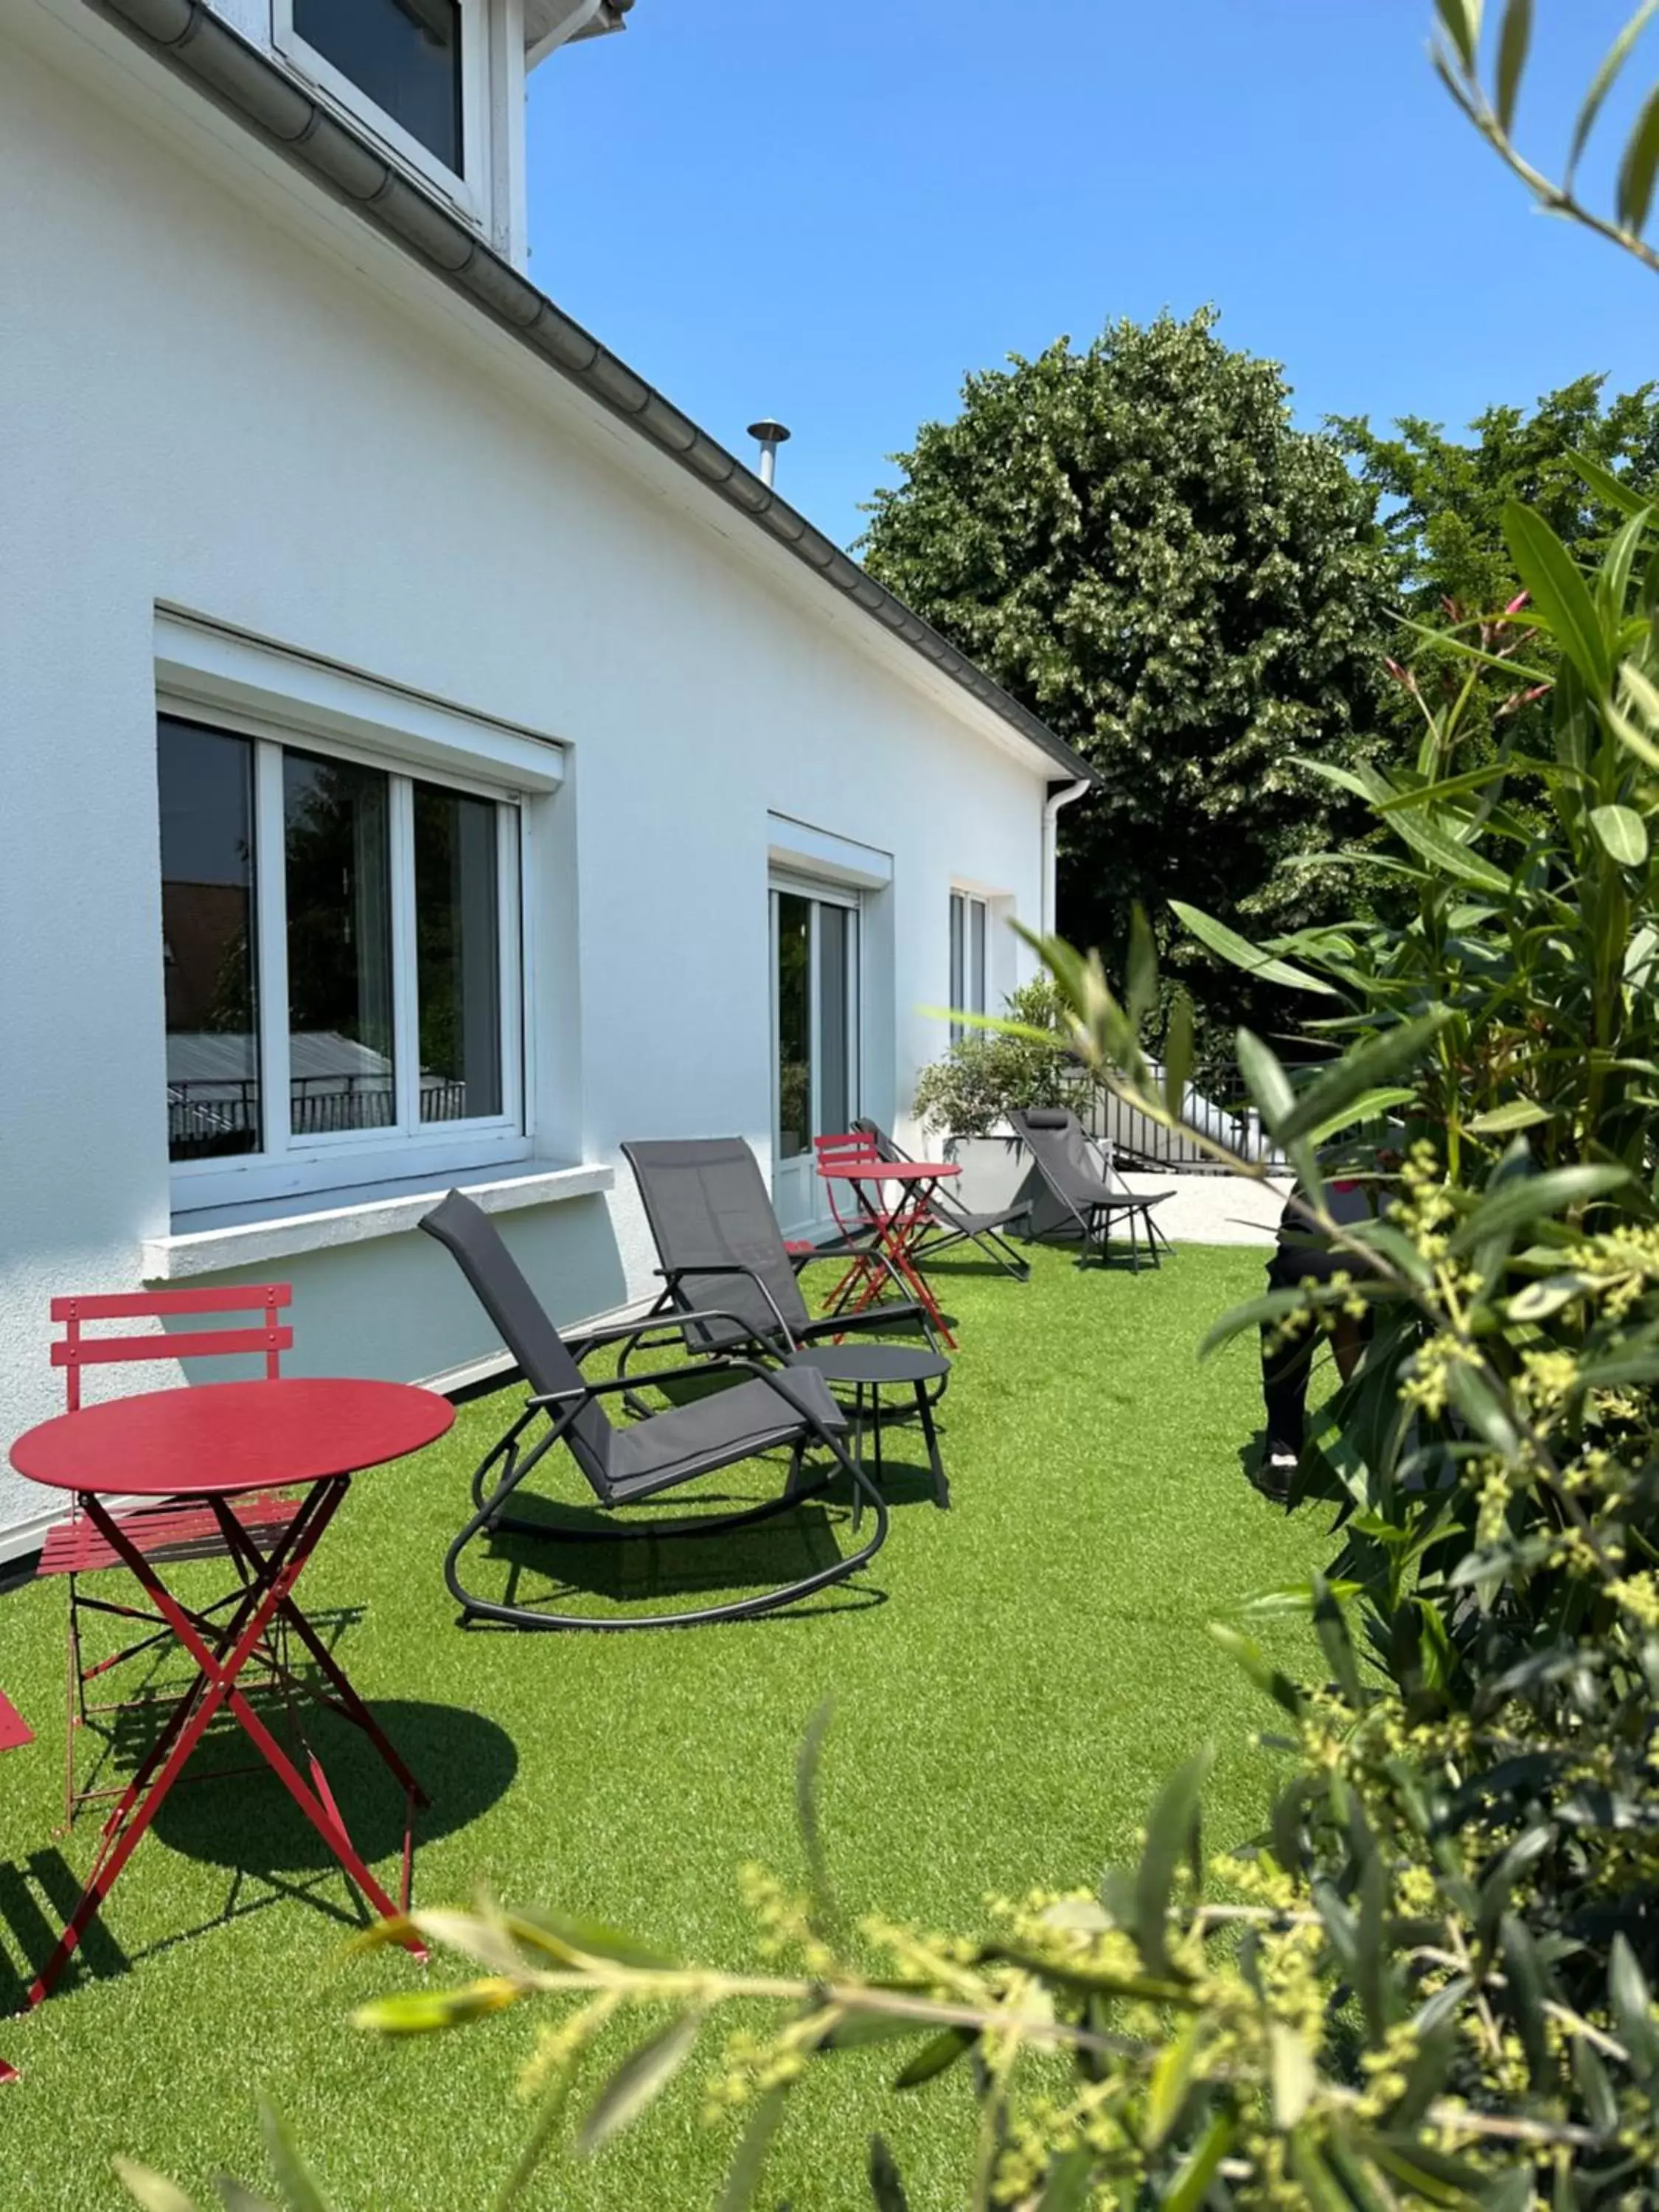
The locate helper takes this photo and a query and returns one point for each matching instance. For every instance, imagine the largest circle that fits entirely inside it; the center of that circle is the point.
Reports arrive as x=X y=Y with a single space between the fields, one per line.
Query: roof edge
x=195 y=43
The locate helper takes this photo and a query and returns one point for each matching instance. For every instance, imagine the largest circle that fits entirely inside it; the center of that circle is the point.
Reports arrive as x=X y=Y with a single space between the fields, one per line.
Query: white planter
x=993 y=1169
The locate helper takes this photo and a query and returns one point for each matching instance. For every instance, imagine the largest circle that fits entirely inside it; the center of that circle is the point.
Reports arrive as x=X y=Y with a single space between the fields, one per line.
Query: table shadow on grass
x=904 y=1483
x=464 y=1762
x=249 y=1825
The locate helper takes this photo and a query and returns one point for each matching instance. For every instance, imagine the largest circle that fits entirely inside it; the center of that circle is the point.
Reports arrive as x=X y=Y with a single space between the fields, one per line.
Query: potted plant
x=963 y=1099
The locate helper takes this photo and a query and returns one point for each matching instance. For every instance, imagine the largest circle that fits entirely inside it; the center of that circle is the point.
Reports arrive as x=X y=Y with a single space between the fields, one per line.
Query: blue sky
x=832 y=213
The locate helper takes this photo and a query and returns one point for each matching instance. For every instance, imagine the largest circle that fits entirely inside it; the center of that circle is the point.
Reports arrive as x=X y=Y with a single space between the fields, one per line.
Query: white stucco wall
x=220 y=394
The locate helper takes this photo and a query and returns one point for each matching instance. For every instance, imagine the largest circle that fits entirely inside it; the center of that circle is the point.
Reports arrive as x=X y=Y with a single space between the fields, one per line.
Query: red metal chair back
x=73 y=1351
x=851 y=1148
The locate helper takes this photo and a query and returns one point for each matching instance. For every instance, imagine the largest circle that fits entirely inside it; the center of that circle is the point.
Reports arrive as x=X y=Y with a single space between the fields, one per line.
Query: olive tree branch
x=1465 y=87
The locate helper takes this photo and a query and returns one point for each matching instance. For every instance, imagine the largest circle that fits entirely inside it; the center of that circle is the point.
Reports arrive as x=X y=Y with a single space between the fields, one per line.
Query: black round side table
x=874 y=1368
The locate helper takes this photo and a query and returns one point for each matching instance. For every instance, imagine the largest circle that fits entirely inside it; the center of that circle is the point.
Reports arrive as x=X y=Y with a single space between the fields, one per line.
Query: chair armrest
x=630 y=1331
x=880 y=1315
x=616 y=1332
x=709 y=1313
x=674 y=1276
x=836 y=1248
x=612 y=1384
x=776 y=1380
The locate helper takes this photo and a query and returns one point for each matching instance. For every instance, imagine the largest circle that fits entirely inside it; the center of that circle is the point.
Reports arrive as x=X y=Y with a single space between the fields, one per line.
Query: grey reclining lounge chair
x=954 y=1223
x=720 y=1245
x=773 y=1409
x=1081 y=1194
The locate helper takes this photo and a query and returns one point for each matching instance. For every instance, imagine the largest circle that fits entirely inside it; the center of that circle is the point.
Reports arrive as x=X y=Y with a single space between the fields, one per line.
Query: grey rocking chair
x=770 y=1411
x=1081 y=1194
x=954 y=1223
x=720 y=1245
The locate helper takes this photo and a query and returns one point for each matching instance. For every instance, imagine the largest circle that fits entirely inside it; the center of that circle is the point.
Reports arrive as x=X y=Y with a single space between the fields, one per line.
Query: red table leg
x=907 y=1234
x=268 y=1594
x=862 y=1268
x=348 y=1702
x=897 y=1233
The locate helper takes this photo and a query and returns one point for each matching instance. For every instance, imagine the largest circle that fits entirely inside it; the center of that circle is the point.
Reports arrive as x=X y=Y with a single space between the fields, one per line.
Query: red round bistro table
x=204 y=1446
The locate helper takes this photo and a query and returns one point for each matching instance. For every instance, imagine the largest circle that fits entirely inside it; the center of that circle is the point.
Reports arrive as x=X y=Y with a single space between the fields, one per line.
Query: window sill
x=207 y=1241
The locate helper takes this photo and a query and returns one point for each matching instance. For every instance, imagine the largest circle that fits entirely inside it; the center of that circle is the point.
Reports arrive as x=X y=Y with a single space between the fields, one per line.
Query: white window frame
x=289 y=1165
x=974 y=909
x=469 y=190
x=818 y=893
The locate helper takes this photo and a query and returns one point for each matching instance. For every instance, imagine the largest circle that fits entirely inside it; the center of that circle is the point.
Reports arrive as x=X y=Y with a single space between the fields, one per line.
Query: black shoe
x=1275 y=1472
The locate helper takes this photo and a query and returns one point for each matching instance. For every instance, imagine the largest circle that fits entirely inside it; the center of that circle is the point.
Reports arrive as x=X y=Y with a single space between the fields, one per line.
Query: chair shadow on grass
x=1116 y=1258
x=36 y=1898
x=970 y=1267
x=613 y=1557
x=112 y=1741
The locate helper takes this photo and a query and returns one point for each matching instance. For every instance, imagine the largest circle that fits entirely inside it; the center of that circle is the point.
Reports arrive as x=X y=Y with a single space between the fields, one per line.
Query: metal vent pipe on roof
x=771 y=436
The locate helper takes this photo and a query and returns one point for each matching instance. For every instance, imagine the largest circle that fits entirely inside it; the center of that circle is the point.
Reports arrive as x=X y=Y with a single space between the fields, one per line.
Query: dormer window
x=404 y=54
x=414 y=71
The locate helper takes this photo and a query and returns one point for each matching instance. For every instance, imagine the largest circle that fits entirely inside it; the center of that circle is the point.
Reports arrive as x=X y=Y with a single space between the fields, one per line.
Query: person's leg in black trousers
x=1287 y=1362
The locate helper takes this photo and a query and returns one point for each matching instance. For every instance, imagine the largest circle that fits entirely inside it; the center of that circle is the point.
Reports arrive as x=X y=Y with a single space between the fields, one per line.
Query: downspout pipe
x=1060 y=794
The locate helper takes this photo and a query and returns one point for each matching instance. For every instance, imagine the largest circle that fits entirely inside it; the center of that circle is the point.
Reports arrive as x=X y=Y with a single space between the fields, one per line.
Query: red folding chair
x=163 y=1531
x=14 y=1733
x=892 y=1229
x=870 y=1219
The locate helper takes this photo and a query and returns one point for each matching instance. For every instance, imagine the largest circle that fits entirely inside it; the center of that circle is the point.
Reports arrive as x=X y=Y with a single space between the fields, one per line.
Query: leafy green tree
x=1443 y=498
x=1136 y=540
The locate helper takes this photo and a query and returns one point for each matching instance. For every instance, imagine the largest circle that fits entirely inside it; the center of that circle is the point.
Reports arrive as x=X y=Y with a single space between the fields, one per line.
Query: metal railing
x=1213 y=1101
x=221 y=1114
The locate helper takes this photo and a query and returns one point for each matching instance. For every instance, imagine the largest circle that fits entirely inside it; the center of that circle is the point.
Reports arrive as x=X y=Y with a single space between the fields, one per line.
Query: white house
x=429 y=757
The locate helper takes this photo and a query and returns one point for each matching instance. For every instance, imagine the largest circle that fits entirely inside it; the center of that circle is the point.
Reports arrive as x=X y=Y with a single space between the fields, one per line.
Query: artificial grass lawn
x=1012 y=1682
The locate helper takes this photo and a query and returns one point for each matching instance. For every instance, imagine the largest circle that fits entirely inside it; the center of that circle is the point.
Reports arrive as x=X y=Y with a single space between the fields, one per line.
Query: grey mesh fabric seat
x=954 y=1223
x=1078 y=1191
x=771 y=1411
x=721 y=1246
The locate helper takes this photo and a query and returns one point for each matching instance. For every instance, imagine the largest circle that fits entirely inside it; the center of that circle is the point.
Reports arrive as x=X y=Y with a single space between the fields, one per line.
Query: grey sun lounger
x=773 y=1409
x=954 y=1223
x=720 y=1245
x=1081 y=1194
